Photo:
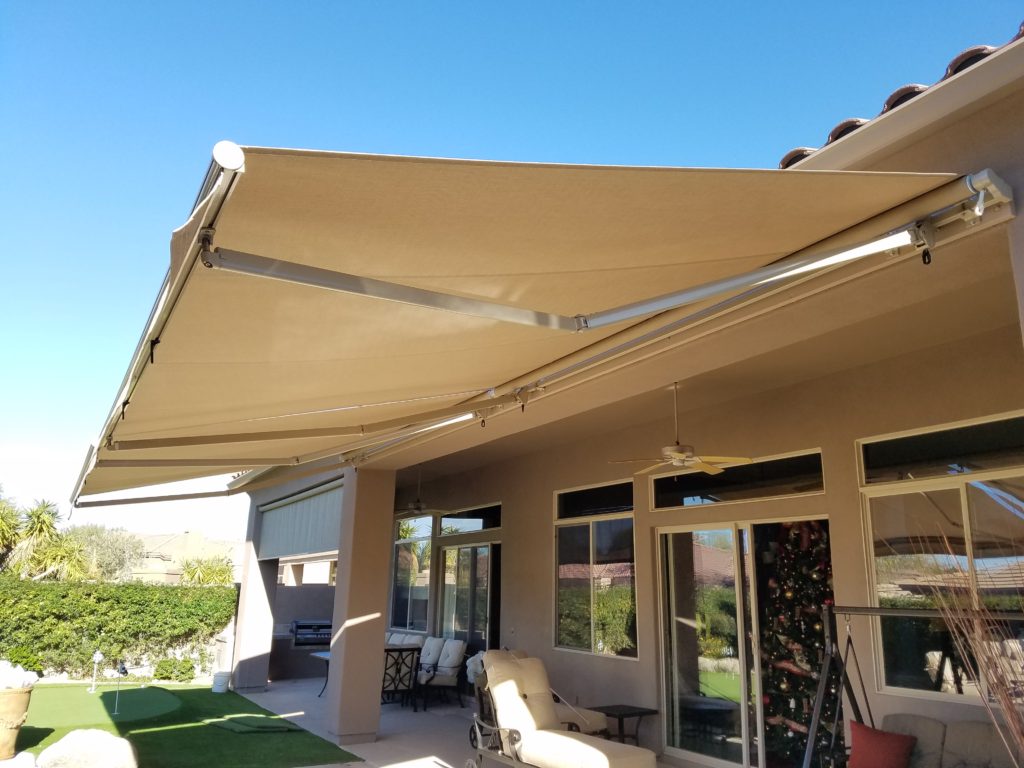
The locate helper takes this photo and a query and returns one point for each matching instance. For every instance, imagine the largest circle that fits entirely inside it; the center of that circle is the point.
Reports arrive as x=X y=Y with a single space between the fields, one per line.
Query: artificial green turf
x=721 y=685
x=174 y=737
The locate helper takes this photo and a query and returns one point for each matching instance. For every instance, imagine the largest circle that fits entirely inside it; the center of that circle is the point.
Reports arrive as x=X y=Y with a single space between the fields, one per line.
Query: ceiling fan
x=682 y=456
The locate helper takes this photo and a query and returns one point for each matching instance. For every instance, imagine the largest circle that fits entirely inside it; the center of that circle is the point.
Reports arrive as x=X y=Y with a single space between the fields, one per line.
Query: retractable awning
x=324 y=303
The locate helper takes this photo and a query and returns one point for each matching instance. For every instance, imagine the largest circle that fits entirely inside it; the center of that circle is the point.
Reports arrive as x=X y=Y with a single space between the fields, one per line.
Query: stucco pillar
x=254 y=629
x=1017 y=259
x=360 y=604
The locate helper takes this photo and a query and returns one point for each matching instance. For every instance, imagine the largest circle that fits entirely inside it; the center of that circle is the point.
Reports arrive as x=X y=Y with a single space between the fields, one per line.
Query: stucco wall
x=967 y=379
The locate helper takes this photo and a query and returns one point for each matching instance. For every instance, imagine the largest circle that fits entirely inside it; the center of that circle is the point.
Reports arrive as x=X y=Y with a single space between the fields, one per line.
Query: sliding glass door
x=743 y=639
x=709 y=664
x=465 y=599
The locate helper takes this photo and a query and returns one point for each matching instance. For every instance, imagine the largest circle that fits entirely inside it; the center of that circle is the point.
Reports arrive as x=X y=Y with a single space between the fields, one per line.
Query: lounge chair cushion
x=563 y=749
x=521 y=695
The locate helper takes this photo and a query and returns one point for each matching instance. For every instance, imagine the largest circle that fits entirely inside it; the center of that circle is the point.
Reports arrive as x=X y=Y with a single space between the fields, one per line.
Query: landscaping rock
x=20 y=760
x=89 y=748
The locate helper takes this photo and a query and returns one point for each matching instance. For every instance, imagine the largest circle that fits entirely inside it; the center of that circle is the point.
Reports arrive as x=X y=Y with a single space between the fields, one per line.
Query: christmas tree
x=795 y=581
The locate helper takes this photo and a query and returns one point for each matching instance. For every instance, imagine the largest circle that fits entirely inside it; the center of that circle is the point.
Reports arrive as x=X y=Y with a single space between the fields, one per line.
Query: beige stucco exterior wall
x=977 y=377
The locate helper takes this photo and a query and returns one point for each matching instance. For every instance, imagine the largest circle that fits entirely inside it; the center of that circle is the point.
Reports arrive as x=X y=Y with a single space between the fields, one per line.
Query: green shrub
x=64 y=623
x=180 y=670
x=25 y=657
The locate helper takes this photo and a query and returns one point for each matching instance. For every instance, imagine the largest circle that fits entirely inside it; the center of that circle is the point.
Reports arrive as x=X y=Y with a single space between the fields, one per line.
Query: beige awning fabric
x=234 y=354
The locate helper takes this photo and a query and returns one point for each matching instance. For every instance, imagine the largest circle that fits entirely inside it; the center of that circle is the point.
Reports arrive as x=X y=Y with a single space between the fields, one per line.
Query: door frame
x=746 y=559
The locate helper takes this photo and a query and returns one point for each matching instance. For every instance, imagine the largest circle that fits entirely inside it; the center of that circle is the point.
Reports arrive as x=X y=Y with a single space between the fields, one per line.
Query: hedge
x=59 y=625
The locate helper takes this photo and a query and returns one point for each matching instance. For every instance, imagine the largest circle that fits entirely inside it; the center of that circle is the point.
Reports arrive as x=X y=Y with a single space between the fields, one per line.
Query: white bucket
x=220 y=681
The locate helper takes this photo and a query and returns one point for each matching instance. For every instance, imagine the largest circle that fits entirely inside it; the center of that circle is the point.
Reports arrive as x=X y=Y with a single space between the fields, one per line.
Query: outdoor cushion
x=587 y=720
x=974 y=745
x=872 y=748
x=564 y=749
x=930 y=733
x=521 y=695
x=431 y=652
x=450 y=660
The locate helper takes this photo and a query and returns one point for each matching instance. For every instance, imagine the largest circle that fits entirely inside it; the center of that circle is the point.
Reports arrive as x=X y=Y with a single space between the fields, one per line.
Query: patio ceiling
x=235 y=371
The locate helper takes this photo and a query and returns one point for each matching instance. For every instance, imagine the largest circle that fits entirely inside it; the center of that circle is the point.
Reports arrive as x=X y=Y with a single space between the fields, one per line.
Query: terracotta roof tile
x=963 y=60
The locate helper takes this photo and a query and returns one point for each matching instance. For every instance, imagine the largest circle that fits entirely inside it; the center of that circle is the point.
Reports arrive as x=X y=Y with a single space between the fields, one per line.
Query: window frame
x=589 y=521
x=395 y=542
x=438 y=541
x=959 y=482
x=653 y=476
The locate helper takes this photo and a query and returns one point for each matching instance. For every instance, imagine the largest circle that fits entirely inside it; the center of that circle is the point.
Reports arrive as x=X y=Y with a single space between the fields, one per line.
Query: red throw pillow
x=871 y=748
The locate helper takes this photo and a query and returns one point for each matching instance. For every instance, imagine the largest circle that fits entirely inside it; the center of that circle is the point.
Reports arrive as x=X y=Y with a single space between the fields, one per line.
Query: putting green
x=73 y=706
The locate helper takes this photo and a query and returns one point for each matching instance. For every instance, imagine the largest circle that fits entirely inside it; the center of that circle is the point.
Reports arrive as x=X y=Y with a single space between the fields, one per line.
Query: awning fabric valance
x=229 y=354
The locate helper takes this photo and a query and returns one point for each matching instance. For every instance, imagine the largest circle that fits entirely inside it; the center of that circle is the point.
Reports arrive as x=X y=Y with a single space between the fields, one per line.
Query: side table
x=325 y=657
x=621 y=712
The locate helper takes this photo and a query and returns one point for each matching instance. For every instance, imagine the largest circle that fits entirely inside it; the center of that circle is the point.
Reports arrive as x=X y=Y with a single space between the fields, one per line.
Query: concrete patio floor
x=437 y=738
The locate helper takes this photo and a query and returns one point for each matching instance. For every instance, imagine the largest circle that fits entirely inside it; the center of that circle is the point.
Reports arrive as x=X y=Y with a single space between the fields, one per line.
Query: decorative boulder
x=89 y=748
x=20 y=760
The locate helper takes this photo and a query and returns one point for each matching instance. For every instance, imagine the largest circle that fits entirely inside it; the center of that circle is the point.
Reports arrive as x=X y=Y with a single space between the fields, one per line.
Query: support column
x=360 y=605
x=254 y=629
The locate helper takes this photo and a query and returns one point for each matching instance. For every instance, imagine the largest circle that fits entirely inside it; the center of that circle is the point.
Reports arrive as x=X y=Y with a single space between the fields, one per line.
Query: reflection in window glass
x=957 y=451
x=601 y=500
x=596 y=589
x=919 y=550
x=762 y=479
x=411 y=576
x=573 y=629
x=997 y=539
x=470 y=520
x=614 y=588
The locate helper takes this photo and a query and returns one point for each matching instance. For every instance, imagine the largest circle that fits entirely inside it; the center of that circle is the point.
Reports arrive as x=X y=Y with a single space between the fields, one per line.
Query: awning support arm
x=276 y=269
x=985 y=188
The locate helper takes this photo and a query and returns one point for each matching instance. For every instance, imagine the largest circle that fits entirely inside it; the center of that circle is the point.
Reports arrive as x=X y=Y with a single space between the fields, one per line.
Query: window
x=411 y=576
x=595 y=580
x=775 y=477
x=471 y=520
x=961 y=450
x=956 y=538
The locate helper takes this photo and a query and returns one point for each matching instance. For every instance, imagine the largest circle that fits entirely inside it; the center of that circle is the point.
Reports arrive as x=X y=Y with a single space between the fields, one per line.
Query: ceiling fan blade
x=651 y=468
x=724 y=459
x=634 y=461
x=710 y=469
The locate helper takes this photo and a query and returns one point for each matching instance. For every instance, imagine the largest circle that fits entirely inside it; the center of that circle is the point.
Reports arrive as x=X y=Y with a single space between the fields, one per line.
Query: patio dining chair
x=440 y=667
x=399 y=676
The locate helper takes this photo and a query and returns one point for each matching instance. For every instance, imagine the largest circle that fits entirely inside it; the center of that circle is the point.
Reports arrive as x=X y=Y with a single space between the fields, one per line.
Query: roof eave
x=961 y=95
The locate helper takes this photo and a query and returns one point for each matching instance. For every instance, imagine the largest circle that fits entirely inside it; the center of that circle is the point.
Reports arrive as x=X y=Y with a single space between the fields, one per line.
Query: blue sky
x=110 y=110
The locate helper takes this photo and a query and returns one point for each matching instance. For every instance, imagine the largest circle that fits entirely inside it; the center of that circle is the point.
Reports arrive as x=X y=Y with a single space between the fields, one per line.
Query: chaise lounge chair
x=527 y=731
x=573 y=718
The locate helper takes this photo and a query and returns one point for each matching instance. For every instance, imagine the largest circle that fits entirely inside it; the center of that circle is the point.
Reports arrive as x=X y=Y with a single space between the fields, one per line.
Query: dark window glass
x=994 y=445
x=614 y=588
x=574 y=572
x=471 y=520
x=778 y=477
x=603 y=500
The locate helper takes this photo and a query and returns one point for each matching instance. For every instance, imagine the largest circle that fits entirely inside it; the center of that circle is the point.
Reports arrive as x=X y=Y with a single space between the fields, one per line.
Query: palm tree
x=37 y=529
x=9 y=518
x=62 y=558
x=204 y=571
